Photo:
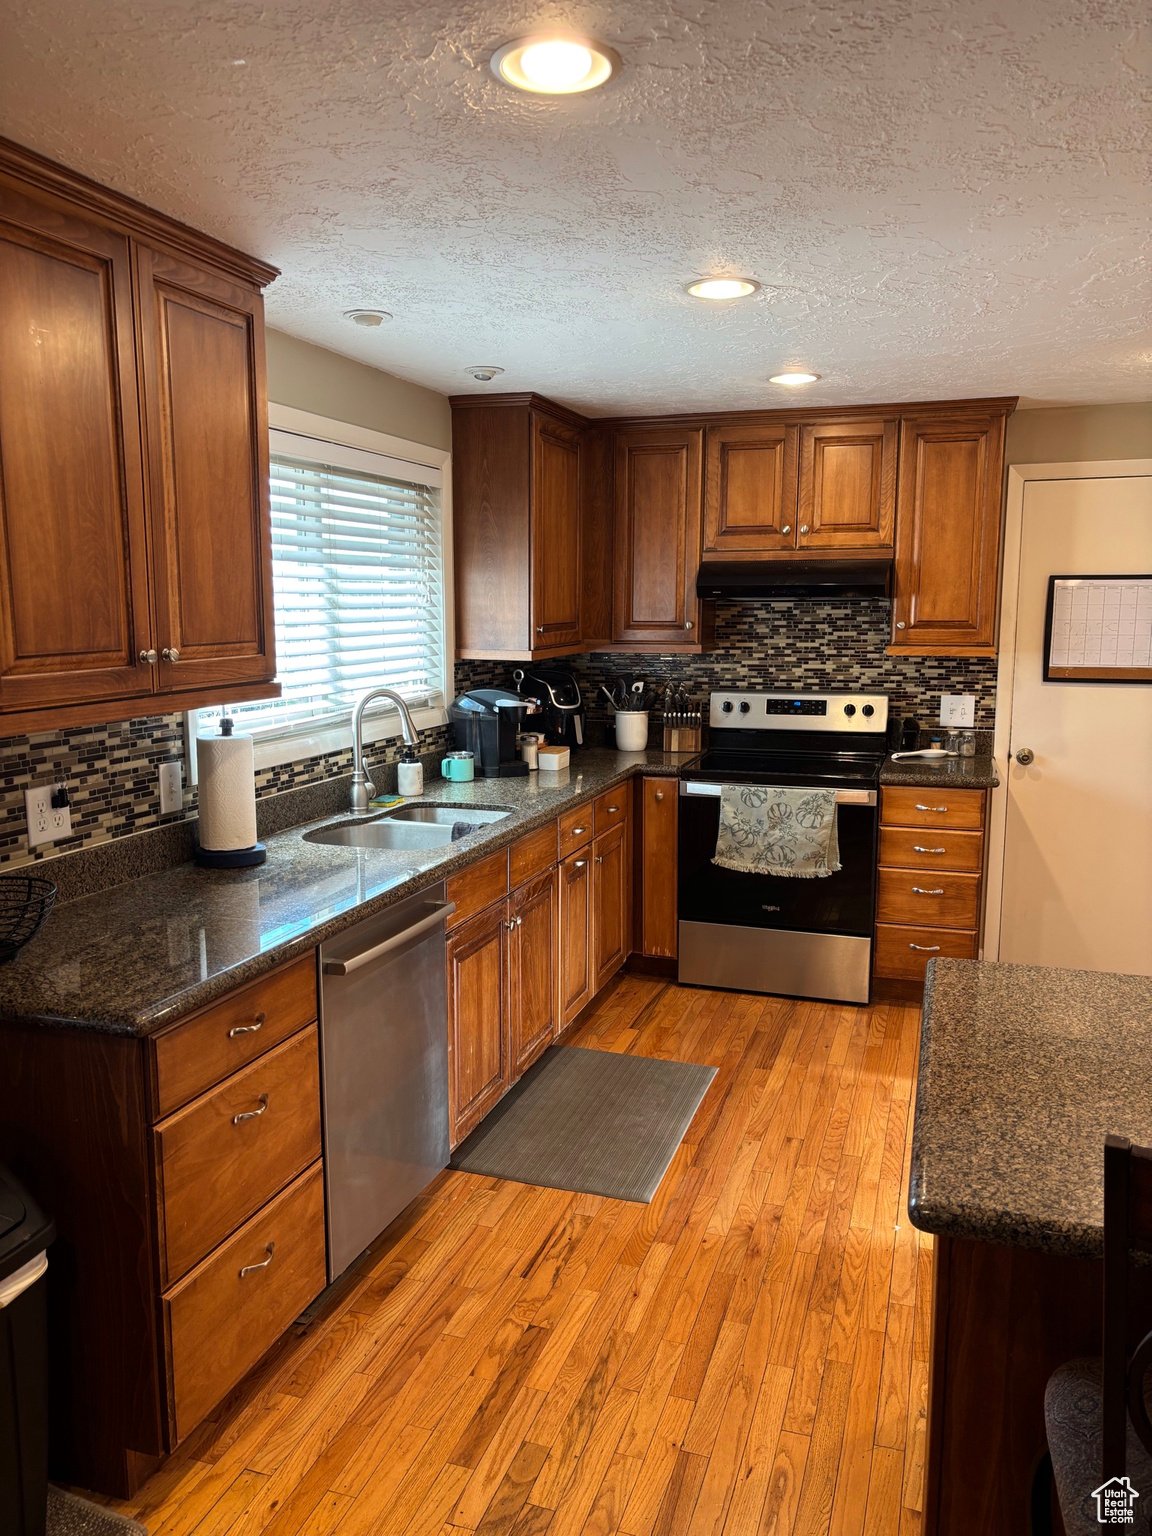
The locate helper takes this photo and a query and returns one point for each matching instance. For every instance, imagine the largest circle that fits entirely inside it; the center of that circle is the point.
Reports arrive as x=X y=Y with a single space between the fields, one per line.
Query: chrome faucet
x=362 y=786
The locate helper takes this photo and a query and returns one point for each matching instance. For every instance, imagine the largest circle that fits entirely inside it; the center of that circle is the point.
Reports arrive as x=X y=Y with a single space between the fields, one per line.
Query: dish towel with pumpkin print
x=768 y=831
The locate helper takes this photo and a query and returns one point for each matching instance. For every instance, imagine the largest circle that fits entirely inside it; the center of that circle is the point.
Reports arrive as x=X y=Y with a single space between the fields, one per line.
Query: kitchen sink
x=447 y=815
x=411 y=827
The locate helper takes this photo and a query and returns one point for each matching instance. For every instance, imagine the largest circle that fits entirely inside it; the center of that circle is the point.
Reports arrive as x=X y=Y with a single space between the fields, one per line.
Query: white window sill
x=273 y=749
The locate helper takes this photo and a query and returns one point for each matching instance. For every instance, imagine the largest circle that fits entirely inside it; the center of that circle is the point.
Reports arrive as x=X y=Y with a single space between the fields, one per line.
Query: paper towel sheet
x=227 y=792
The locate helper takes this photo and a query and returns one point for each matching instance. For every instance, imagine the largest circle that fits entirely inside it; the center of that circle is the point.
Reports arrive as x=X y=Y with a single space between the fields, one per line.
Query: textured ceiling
x=941 y=199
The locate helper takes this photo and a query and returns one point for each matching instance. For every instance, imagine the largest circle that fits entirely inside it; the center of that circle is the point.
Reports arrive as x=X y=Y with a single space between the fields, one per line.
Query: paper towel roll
x=227 y=792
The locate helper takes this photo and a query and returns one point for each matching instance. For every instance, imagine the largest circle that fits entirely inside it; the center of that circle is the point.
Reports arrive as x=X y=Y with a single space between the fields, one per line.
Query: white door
x=1077 y=881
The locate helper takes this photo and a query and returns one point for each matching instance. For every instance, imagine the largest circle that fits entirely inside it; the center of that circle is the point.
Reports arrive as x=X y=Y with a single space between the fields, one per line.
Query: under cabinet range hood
x=795 y=578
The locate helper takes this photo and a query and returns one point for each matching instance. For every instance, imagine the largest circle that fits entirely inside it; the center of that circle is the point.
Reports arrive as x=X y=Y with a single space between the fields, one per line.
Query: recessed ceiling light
x=793 y=378
x=484 y=373
x=555 y=64
x=719 y=288
x=370 y=317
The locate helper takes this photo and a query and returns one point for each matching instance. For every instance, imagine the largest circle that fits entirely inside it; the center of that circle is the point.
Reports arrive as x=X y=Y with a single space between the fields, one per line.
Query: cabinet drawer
x=478 y=887
x=903 y=951
x=200 y=1051
x=962 y=809
x=905 y=848
x=576 y=829
x=221 y=1157
x=929 y=899
x=611 y=808
x=220 y=1320
x=531 y=855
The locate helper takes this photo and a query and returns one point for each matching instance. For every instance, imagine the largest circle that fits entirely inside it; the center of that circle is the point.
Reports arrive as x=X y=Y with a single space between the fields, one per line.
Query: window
x=358 y=577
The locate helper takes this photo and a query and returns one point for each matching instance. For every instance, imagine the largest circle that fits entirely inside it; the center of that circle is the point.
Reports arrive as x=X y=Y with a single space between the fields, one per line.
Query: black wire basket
x=25 y=901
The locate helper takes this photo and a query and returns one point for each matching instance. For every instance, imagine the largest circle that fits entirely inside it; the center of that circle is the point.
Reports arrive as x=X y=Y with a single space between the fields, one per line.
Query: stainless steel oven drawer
x=831 y=966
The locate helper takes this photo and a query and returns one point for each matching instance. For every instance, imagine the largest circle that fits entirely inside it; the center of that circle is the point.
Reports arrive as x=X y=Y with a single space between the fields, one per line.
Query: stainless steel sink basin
x=446 y=815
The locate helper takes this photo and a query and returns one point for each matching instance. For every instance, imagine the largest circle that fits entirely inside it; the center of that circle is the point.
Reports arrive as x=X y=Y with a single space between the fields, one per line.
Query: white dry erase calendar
x=1098 y=629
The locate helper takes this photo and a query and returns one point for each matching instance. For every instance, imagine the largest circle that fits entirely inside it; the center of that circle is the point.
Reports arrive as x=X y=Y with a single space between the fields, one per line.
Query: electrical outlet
x=958 y=709
x=171 y=789
x=46 y=823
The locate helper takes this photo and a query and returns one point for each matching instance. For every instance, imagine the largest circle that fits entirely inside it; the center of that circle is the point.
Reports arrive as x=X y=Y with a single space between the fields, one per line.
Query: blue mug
x=459 y=767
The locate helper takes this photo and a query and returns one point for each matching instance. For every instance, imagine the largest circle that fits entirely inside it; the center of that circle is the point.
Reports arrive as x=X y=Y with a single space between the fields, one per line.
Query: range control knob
x=849 y=709
x=727 y=706
x=868 y=710
x=744 y=706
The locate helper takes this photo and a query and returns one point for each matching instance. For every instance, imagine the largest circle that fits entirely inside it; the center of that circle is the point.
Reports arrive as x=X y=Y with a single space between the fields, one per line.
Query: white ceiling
x=941 y=197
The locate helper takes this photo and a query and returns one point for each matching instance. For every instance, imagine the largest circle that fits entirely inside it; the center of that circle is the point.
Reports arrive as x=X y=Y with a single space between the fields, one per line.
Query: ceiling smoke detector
x=484 y=373
x=556 y=64
x=367 y=317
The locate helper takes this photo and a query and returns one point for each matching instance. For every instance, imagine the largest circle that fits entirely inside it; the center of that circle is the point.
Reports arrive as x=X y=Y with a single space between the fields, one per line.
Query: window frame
x=274 y=745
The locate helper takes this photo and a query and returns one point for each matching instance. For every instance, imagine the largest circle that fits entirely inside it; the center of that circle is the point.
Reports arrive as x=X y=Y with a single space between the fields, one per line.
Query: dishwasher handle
x=438 y=914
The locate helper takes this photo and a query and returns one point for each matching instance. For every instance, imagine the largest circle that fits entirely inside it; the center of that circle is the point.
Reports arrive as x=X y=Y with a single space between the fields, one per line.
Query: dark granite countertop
x=947 y=773
x=134 y=957
x=1023 y=1072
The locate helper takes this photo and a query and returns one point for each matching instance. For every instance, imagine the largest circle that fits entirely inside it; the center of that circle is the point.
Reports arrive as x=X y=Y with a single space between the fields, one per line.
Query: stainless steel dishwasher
x=384 y=1069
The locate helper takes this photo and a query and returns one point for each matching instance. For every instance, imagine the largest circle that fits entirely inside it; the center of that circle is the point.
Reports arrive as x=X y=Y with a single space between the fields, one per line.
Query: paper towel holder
x=228 y=858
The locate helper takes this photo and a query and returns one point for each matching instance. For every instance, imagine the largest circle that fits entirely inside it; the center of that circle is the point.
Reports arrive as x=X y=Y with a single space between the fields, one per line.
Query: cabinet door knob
x=599 y=858
x=787 y=528
x=688 y=624
x=803 y=527
x=900 y=624
x=170 y=653
x=539 y=629
x=659 y=795
x=148 y=658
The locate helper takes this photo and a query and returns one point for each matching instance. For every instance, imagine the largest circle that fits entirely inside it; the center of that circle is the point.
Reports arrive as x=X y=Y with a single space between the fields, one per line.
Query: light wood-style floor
x=748 y=1354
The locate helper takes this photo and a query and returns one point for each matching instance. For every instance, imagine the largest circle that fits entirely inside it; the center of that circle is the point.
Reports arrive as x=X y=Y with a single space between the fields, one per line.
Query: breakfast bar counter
x=1023 y=1072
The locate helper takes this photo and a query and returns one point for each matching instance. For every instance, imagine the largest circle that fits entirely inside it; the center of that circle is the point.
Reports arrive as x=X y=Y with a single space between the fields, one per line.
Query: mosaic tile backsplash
x=112 y=770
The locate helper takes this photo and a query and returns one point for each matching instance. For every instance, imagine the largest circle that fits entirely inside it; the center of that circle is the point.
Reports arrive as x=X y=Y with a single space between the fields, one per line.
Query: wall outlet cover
x=957 y=709
x=171 y=789
x=46 y=823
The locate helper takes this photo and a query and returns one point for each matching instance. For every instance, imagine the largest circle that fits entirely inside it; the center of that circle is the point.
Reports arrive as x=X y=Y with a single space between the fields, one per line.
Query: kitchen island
x=1023 y=1072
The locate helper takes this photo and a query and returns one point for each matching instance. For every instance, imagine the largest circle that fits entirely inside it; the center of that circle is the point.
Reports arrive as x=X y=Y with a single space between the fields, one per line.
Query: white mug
x=631 y=730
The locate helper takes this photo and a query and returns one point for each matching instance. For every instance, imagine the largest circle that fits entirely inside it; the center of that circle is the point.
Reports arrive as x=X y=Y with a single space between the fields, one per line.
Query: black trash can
x=25 y=1233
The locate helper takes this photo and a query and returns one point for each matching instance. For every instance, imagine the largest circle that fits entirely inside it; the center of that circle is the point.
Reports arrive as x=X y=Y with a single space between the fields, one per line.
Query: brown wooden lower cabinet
x=533 y=993
x=657 y=863
x=478 y=1067
x=611 y=892
x=577 y=970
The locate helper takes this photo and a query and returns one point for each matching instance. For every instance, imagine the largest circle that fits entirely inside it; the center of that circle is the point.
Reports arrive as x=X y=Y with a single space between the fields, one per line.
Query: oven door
x=764 y=933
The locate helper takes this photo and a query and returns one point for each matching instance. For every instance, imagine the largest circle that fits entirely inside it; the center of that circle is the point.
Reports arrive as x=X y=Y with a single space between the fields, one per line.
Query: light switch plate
x=957 y=709
x=45 y=823
x=171 y=789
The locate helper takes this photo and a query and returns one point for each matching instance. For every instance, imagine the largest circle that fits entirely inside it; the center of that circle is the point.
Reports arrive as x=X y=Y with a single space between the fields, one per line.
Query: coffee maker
x=561 y=706
x=485 y=722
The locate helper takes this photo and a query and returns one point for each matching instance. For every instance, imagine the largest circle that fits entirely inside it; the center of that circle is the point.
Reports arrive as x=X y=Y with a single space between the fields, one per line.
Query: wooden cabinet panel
x=533 y=951
x=73 y=558
x=556 y=584
x=225 y=1314
x=960 y=810
x=903 y=952
x=577 y=973
x=658 y=864
x=196 y=1053
x=477 y=887
x=658 y=534
x=221 y=1157
x=750 y=488
x=847 y=497
x=611 y=890
x=531 y=855
x=936 y=899
x=576 y=829
x=203 y=351
x=478 y=1066
x=905 y=848
x=612 y=807
x=948 y=535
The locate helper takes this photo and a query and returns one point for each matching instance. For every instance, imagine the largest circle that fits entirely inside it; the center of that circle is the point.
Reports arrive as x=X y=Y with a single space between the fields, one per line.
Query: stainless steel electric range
x=764 y=933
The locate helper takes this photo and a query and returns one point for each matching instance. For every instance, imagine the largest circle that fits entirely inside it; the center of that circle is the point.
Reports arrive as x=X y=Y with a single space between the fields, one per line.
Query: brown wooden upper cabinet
x=517 y=487
x=774 y=487
x=135 y=567
x=658 y=536
x=948 y=533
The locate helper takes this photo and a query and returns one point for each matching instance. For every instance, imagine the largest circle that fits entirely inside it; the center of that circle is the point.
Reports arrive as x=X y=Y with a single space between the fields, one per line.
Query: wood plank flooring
x=747 y=1354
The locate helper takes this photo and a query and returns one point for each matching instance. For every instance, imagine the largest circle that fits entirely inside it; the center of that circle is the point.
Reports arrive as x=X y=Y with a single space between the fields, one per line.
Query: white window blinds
x=357 y=575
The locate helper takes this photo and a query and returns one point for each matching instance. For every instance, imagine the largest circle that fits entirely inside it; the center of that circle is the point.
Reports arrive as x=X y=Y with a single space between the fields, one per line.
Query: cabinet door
x=533 y=955
x=610 y=893
x=658 y=864
x=203 y=347
x=73 y=562
x=948 y=535
x=847 y=485
x=750 y=488
x=478 y=1071
x=555 y=533
x=577 y=976
x=658 y=531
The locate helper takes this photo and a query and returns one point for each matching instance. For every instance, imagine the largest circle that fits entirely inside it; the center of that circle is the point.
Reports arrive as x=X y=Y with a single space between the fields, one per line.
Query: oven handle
x=843 y=796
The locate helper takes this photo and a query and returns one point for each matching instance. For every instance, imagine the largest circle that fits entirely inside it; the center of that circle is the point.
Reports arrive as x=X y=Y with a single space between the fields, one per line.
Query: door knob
x=148 y=658
x=688 y=624
x=787 y=528
x=803 y=527
x=170 y=653
x=1025 y=756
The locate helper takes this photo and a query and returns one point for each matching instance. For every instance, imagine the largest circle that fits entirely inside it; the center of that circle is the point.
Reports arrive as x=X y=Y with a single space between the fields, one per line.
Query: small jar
x=529 y=744
x=968 y=743
x=952 y=741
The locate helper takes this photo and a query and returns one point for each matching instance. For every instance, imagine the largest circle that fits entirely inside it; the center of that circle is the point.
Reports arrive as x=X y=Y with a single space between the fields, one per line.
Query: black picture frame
x=1091 y=674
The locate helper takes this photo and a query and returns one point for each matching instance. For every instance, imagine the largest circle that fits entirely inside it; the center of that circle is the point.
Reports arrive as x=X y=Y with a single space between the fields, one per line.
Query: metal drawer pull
x=940 y=808
x=247 y=1029
x=579 y=863
x=916 y=848
x=926 y=949
x=612 y=809
x=577 y=831
x=248 y=1268
x=251 y=1114
x=920 y=891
